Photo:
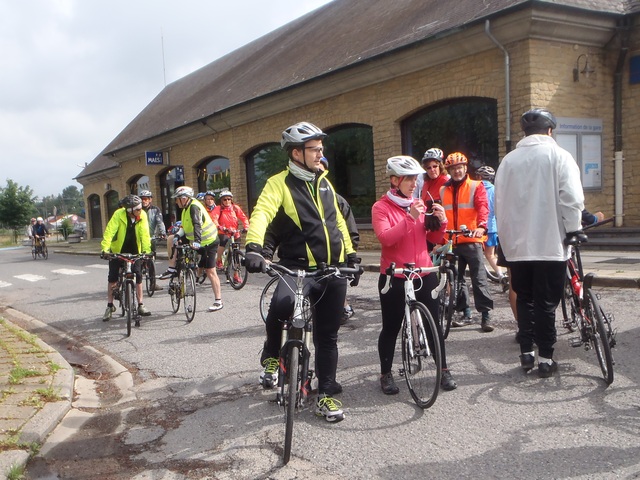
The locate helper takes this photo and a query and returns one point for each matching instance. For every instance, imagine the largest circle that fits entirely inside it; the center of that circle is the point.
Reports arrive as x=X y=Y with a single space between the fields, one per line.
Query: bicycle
x=266 y=295
x=295 y=376
x=233 y=262
x=40 y=248
x=182 y=286
x=582 y=312
x=124 y=290
x=149 y=270
x=421 y=355
x=448 y=297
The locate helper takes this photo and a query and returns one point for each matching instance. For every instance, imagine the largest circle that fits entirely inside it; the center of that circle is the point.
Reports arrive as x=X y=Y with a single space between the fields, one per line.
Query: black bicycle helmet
x=537 y=119
x=130 y=202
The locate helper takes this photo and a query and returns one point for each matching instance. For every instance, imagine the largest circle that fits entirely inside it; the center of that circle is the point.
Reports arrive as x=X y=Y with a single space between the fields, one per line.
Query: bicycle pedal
x=575 y=342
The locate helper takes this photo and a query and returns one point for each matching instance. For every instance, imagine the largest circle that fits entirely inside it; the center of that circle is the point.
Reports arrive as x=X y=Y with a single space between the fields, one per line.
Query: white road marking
x=4 y=284
x=68 y=271
x=103 y=266
x=30 y=278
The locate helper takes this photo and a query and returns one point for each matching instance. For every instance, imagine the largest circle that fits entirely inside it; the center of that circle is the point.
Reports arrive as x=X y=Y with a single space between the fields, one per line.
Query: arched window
x=349 y=150
x=112 y=200
x=214 y=174
x=95 y=216
x=142 y=183
x=468 y=125
x=262 y=163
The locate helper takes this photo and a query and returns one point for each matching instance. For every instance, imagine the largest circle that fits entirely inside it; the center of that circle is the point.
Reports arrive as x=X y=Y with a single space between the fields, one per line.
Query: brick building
x=389 y=78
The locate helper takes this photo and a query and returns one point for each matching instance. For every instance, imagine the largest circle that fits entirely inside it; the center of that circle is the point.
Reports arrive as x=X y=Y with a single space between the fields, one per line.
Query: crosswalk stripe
x=102 y=266
x=68 y=271
x=29 y=277
x=4 y=284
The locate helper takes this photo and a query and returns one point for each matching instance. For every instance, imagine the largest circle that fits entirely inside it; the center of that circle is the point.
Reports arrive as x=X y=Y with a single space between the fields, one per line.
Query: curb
x=42 y=424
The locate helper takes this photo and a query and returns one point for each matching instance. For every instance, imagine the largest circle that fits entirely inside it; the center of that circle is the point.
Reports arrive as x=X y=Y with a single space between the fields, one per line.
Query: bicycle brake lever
x=436 y=291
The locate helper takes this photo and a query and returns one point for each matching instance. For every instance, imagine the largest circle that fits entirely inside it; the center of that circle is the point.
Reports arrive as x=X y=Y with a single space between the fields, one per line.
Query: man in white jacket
x=538 y=203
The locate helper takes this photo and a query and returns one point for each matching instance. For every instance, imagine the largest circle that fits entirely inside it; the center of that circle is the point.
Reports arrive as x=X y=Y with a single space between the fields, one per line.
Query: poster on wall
x=582 y=137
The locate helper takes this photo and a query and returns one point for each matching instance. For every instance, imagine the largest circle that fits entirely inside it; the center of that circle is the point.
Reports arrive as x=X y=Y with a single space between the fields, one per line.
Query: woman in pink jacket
x=400 y=223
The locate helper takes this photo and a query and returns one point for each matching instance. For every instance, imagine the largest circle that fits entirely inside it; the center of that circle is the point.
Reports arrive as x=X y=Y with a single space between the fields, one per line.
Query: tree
x=16 y=207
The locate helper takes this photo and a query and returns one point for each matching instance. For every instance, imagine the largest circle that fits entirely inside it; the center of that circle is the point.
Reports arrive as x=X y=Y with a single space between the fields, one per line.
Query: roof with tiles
x=306 y=49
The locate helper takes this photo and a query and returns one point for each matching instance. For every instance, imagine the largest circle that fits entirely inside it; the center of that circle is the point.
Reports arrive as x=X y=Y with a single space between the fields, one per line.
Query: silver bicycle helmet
x=486 y=172
x=433 y=154
x=183 y=192
x=145 y=193
x=300 y=133
x=403 y=165
x=131 y=202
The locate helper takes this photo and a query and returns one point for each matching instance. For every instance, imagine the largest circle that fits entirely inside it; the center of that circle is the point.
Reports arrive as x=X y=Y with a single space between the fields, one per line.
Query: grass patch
x=12 y=443
x=16 y=472
x=18 y=374
x=53 y=367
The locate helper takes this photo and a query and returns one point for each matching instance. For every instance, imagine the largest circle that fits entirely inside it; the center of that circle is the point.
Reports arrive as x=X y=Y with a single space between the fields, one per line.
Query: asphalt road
x=196 y=410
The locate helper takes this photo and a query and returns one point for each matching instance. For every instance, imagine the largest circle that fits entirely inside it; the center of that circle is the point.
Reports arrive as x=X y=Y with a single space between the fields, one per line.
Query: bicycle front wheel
x=189 y=286
x=236 y=272
x=450 y=302
x=174 y=292
x=34 y=252
x=130 y=296
x=265 y=297
x=599 y=337
x=149 y=273
x=45 y=252
x=421 y=356
x=291 y=395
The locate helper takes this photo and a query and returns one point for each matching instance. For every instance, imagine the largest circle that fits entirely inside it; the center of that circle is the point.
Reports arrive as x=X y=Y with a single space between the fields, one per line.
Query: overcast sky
x=76 y=72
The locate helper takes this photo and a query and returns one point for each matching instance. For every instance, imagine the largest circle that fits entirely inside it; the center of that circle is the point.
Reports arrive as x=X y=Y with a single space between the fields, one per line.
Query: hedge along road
x=197 y=410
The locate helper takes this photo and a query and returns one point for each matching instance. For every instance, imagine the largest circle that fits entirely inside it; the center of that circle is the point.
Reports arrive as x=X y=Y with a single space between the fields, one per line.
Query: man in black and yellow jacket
x=300 y=206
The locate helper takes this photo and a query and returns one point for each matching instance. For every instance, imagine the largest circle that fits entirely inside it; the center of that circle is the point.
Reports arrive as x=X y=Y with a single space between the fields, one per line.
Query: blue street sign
x=154 y=158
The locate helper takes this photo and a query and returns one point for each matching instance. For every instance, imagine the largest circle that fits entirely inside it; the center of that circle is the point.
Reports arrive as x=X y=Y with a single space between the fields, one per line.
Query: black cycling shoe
x=545 y=370
x=447 y=383
x=388 y=385
x=527 y=361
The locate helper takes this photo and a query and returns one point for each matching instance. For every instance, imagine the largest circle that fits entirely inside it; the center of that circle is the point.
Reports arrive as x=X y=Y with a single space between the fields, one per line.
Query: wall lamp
x=587 y=70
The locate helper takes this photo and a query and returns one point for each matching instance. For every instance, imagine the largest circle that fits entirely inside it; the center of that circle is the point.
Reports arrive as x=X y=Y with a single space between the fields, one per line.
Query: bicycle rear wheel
x=121 y=297
x=236 y=272
x=149 y=272
x=265 y=297
x=189 y=303
x=129 y=296
x=421 y=356
x=451 y=300
x=599 y=336
x=174 y=292
x=291 y=388
x=34 y=252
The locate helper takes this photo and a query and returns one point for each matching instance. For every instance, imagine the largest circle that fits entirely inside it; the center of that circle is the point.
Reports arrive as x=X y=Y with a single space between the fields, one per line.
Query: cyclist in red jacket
x=227 y=215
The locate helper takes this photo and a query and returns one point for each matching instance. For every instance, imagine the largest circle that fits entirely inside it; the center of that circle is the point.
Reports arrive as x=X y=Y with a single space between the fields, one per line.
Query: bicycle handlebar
x=131 y=257
x=322 y=270
x=608 y=220
x=410 y=271
x=464 y=231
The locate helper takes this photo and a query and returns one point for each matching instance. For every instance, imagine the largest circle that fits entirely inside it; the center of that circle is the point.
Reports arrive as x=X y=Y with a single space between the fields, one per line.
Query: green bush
x=66 y=228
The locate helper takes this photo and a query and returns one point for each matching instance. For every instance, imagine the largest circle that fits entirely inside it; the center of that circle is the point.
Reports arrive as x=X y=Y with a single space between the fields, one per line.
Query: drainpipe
x=618 y=157
x=507 y=96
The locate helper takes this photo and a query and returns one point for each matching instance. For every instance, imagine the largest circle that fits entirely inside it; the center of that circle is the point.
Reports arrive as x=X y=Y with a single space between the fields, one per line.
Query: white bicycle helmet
x=145 y=193
x=433 y=154
x=403 y=165
x=300 y=133
x=225 y=193
x=183 y=192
